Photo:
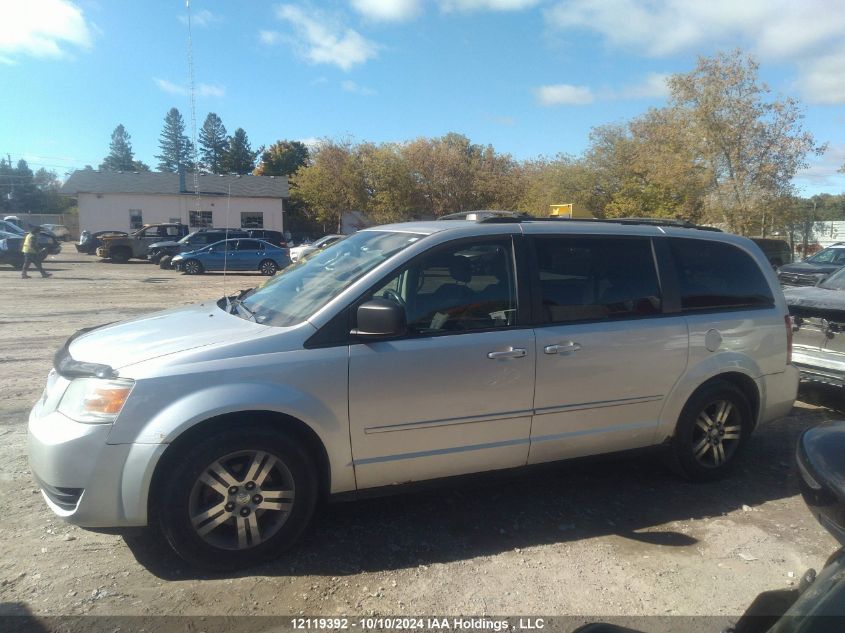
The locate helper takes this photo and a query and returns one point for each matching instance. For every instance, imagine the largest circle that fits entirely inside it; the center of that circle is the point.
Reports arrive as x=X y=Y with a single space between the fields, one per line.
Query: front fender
x=324 y=413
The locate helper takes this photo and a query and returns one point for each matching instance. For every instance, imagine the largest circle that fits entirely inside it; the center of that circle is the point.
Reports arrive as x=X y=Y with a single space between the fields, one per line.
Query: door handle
x=562 y=348
x=511 y=352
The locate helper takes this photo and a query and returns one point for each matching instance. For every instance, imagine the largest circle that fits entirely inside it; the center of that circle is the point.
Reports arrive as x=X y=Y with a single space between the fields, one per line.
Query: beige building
x=125 y=201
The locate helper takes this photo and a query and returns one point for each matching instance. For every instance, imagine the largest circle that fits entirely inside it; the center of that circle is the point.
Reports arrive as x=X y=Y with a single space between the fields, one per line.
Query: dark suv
x=161 y=252
x=273 y=237
x=813 y=269
x=776 y=251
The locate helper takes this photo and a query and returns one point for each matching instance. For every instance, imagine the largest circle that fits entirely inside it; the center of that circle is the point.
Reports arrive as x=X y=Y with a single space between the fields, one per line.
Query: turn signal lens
x=94 y=400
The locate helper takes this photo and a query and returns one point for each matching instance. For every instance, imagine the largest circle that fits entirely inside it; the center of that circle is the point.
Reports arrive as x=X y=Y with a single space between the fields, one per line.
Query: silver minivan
x=412 y=352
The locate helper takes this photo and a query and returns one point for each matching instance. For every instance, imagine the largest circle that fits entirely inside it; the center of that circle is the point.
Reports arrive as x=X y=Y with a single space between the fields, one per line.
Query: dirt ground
x=597 y=539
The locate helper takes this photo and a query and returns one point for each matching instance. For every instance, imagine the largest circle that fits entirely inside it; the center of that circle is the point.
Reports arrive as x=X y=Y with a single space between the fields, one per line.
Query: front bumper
x=85 y=480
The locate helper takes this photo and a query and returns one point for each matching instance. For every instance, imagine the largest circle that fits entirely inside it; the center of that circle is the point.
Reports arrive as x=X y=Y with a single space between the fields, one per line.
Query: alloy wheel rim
x=716 y=434
x=268 y=268
x=241 y=500
x=192 y=267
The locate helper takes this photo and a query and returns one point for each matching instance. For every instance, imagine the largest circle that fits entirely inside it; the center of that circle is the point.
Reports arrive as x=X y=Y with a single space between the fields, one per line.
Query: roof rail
x=673 y=222
x=491 y=216
x=486 y=215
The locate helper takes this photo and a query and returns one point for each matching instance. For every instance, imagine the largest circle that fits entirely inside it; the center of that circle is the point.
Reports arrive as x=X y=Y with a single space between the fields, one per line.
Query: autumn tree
x=239 y=157
x=213 y=144
x=282 y=158
x=751 y=143
x=331 y=184
x=390 y=186
x=176 y=149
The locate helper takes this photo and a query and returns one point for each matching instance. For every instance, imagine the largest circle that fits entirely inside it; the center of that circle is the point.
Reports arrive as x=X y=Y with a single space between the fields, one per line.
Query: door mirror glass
x=380 y=318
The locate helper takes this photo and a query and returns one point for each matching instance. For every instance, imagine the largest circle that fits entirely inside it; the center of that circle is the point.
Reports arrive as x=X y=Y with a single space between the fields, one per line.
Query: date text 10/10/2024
x=417 y=624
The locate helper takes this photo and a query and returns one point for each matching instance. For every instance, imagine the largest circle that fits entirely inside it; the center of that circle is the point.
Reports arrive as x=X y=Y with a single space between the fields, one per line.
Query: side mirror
x=380 y=318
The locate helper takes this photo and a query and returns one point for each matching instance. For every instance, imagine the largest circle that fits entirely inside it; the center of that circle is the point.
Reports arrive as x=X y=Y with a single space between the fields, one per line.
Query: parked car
x=11 y=244
x=776 y=251
x=191 y=242
x=59 y=230
x=274 y=237
x=301 y=251
x=815 y=268
x=46 y=240
x=818 y=323
x=90 y=242
x=135 y=245
x=389 y=358
x=240 y=254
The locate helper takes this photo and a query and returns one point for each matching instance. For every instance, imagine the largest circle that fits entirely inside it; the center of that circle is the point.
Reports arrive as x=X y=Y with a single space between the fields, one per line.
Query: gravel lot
x=597 y=539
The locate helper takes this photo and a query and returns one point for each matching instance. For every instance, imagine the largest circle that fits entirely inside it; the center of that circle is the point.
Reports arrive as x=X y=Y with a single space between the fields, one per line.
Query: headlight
x=94 y=400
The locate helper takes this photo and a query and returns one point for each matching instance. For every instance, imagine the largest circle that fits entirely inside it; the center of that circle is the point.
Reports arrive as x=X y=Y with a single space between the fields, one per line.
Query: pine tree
x=240 y=159
x=120 y=156
x=177 y=151
x=213 y=144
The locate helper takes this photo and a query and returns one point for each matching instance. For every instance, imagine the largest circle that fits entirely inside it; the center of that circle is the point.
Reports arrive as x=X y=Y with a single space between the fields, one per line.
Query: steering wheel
x=391 y=294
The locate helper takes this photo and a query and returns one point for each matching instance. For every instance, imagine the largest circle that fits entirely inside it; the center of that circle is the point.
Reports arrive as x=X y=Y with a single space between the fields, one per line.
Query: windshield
x=828 y=256
x=303 y=288
x=835 y=282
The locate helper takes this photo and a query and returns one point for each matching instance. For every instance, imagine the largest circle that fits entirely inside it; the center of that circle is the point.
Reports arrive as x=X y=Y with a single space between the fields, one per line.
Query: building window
x=201 y=219
x=252 y=220
x=136 y=220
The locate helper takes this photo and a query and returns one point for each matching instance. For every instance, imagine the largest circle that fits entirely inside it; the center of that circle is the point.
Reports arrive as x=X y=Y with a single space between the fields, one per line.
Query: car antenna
x=226 y=245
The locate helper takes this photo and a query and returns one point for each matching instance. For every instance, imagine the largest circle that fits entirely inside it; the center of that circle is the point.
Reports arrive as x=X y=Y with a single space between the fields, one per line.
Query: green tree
x=239 y=157
x=390 y=187
x=176 y=149
x=282 y=158
x=213 y=144
x=120 y=157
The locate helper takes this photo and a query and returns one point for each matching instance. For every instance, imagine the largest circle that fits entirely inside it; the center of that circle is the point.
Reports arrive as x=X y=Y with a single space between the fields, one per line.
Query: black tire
x=184 y=492
x=193 y=267
x=268 y=267
x=121 y=254
x=706 y=451
x=164 y=262
x=154 y=256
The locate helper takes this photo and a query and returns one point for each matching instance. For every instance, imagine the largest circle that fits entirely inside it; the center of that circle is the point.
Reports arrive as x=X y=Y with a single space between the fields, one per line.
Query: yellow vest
x=30 y=244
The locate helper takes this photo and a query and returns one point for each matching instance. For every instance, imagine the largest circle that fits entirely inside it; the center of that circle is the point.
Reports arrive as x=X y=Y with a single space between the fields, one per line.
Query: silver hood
x=161 y=333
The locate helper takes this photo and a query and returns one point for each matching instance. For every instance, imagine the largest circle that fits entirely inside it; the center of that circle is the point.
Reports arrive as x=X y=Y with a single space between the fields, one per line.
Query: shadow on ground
x=633 y=498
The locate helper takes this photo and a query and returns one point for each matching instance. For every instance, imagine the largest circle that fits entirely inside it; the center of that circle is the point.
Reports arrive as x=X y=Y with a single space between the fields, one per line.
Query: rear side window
x=597 y=278
x=716 y=275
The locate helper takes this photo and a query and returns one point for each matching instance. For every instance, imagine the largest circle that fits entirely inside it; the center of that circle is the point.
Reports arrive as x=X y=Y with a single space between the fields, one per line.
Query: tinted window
x=249 y=245
x=466 y=287
x=597 y=278
x=718 y=275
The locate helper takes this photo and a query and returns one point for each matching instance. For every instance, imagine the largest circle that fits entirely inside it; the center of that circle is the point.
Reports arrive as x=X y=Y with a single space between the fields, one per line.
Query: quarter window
x=583 y=279
x=460 y=288
x=718 y=275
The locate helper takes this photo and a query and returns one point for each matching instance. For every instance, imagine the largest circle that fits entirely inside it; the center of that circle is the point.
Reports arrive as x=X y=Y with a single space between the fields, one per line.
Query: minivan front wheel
x=238 y=499
x=711 y=432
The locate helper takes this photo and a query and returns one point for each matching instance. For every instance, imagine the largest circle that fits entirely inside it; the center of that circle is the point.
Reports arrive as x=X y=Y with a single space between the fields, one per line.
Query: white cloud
x=201 y=18
x=388 y=10
x=823 y=170
x=564 y=94
x=41 y=28
x=448 y=6
x=201 y=90
x=801 y=33
x=322 y=40
x=653 y=86
x=351 y=86
x=269 y=37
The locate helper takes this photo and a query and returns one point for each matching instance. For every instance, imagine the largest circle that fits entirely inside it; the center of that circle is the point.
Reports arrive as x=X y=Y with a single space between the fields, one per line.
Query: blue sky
x=530 y=77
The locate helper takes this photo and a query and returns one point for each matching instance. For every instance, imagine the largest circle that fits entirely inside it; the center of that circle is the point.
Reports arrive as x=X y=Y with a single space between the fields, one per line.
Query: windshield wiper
x=238 y=303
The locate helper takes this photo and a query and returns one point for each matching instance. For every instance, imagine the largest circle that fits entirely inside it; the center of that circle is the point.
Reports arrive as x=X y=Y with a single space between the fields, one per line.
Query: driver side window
x=470 y=286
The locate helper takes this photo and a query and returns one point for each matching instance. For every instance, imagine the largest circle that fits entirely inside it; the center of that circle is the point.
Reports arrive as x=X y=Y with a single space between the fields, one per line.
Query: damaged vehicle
x=818 y=325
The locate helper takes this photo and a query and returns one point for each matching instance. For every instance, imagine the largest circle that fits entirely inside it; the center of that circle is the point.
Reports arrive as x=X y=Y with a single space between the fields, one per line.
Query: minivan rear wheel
x=712 y=431
x=238 y=498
